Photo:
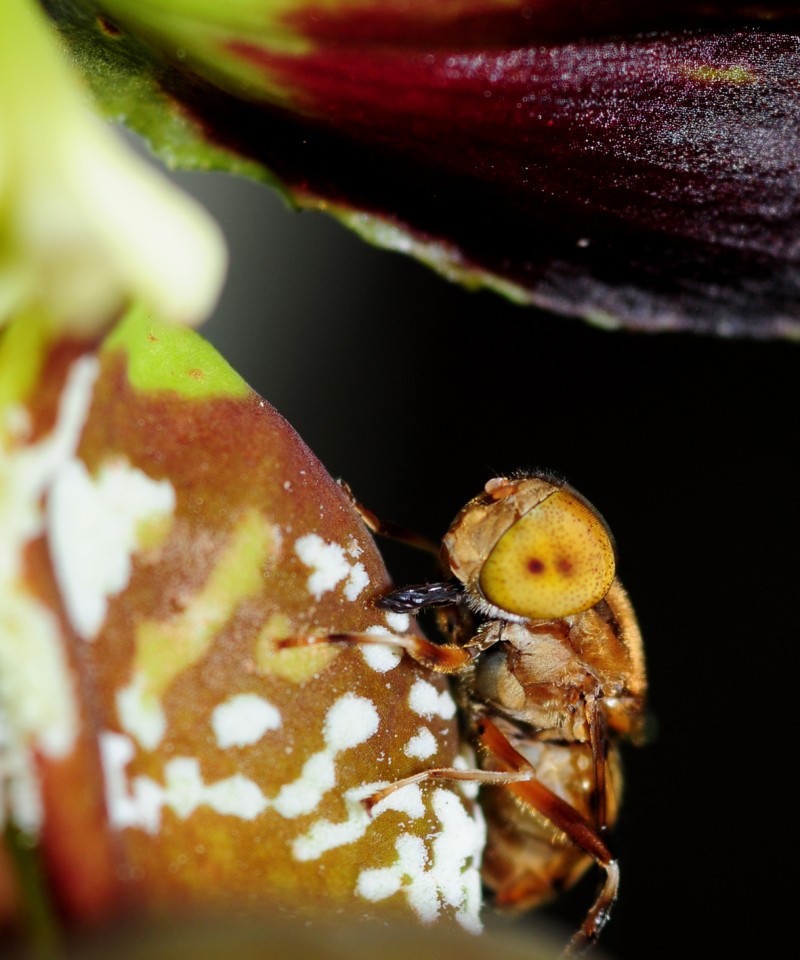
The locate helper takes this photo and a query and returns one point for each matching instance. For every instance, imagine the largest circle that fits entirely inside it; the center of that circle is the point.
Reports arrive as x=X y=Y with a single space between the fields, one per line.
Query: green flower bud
x=85 y=224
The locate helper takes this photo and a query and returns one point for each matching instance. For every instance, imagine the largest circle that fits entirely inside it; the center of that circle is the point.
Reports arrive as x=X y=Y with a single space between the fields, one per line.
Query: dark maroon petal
x=486 y=24
x=651 y=181
x=633 y=164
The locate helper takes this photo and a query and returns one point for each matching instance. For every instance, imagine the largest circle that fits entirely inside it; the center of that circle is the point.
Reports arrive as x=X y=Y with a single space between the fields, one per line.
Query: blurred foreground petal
x=633 y=166
x=221 y=937
x=85 y=224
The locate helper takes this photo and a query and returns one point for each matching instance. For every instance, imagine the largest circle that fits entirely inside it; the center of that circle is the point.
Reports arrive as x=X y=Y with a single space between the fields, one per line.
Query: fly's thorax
x=534 y=676
x=544 y=673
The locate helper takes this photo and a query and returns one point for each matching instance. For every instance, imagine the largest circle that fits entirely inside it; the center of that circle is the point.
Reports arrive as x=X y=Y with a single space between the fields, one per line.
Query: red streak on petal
x=615 y=126
x=76 y=842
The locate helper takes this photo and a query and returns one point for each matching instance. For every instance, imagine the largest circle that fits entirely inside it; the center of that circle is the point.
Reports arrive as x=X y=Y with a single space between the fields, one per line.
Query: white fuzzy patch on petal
x=94 y=525
x=350 y=721
x=446 y=873
x=27 y=472
x=303 y=795
x=398 y=622
x=357 y=581
x=37 y=697
x=140 y=713
x=20 y=791
x=185 y=791
x=140 y=802
x=36 y=689
x=380 y=657
x=422 y=745
x=409 y=874
x=327 y=561
x=407 y=800
x=355 y=549
x=324 y=835
x=457 y=854
x=427 y=701
x=243 y=720
x=330 y=566
x=116 y=752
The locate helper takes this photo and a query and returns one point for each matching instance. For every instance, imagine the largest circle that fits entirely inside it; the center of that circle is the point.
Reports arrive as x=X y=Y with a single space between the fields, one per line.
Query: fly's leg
x=384 y=528
x=484 y=777
x=598 y=741
x=567 y=819
x=443 y=658
x=407 y=599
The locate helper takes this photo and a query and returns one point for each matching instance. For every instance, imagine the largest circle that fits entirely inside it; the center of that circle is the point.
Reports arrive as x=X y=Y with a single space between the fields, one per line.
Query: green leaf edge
x=121 y=71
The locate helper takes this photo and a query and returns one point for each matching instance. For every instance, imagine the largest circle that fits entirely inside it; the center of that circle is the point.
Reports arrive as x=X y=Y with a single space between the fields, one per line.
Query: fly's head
x=530 y=547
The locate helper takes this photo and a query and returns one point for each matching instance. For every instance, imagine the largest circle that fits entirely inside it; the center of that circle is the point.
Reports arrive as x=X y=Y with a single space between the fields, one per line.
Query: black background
x=416 y=392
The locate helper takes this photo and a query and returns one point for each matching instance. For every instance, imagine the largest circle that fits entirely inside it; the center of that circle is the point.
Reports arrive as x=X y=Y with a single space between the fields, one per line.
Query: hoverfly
x=546 y=654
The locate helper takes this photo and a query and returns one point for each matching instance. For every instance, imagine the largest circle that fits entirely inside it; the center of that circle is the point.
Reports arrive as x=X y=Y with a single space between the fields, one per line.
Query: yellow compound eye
x=556 y=560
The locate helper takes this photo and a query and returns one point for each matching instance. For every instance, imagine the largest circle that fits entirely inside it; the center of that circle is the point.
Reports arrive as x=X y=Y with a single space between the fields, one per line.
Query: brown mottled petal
x=182 y=757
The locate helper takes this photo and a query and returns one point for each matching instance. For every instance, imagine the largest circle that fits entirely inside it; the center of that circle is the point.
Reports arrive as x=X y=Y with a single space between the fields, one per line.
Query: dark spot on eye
x=564 y=566
x=535 y=565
